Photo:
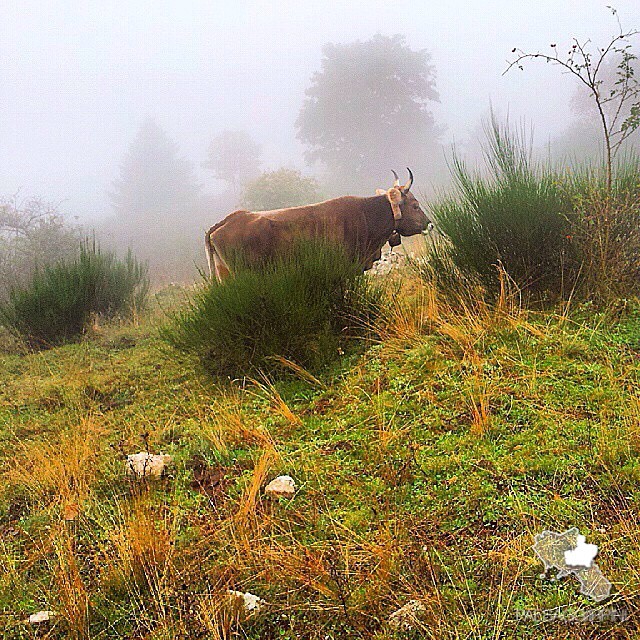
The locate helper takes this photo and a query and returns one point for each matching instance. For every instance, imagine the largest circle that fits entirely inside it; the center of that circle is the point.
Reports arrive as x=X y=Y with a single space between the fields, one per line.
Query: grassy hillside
x=424 y=468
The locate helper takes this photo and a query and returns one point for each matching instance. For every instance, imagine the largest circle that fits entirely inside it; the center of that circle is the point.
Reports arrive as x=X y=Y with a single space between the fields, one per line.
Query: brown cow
x=361 y=225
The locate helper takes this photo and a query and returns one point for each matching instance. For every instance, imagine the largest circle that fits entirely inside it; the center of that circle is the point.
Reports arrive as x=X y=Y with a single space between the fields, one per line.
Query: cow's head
x=410 y=219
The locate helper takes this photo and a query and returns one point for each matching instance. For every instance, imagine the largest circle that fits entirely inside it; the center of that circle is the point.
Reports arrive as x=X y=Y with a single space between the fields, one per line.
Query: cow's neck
x=379 y=220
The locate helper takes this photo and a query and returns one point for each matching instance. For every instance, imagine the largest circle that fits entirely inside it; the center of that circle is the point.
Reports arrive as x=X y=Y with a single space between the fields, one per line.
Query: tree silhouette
x=156 y=205
x=154 y=181
x=367 y=111
x=234 y=156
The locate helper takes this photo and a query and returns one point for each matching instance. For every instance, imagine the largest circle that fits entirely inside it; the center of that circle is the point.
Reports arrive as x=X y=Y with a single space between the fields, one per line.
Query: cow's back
x=261 y=235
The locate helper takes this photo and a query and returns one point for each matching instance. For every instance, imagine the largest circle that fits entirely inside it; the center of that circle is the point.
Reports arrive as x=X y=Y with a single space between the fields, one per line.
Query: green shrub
x=121 y=286
x=58 y=302
x=517 y=216
x=303 y=306
x=279 y=189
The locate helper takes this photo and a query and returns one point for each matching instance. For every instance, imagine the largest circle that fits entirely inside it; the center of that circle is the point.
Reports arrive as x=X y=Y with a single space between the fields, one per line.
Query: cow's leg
x=221 y=269
x=369 y=262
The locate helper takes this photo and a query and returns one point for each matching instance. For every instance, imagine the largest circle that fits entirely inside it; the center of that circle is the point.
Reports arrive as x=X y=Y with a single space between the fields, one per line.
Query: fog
x=79 y=79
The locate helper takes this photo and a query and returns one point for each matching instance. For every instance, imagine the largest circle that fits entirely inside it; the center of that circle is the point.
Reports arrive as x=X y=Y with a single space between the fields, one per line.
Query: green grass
x=424 y=468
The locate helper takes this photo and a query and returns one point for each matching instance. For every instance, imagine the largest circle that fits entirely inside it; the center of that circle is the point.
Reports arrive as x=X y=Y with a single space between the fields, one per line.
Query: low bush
x=59 y=301
x=278 y=189
x=303 y=306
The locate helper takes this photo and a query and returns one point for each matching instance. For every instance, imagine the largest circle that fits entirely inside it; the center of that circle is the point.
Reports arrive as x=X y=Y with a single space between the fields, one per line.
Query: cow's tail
x=217 y=266
x=209 y=250
x=212 y=254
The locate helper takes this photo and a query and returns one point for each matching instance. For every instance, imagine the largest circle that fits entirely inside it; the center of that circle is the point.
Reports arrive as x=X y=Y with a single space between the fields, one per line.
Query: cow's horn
x=395 y=175
x=409 y=182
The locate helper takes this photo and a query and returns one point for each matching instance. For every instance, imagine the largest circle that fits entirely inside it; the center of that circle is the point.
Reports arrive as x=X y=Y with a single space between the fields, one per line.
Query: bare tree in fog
x=367 y=111
x=234 y=156
x=32 y=234
x=616 y=105
x=582 y=139
x=582 y=104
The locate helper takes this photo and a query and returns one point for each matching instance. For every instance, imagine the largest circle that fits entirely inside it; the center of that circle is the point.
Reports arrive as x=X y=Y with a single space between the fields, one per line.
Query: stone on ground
x=407 y=618
x=251 y=602
x=145 y=464
x=282 y=486
x=41 y=616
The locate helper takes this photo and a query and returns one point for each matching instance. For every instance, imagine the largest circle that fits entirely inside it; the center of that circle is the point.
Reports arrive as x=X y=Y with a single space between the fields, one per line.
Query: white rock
x=407 y=618
x=388 y=261
x=147 y=464
x=281 y=486
x=41 y=616
x=251 y=602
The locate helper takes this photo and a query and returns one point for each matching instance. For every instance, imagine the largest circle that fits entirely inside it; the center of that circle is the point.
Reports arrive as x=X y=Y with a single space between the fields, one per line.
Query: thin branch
x=547 y=58
x=586 y=66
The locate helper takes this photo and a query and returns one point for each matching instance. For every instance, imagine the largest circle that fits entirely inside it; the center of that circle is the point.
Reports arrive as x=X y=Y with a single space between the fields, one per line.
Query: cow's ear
x=394 y=196
x=381 y=192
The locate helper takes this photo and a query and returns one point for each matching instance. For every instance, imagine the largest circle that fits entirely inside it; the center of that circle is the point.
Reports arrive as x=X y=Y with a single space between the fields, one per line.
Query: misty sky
x=78 y=78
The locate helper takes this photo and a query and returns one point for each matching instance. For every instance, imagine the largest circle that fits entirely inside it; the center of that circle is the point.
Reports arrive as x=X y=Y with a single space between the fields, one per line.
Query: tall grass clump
x=303 y=306
x=59 y=301
x=516 y=216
